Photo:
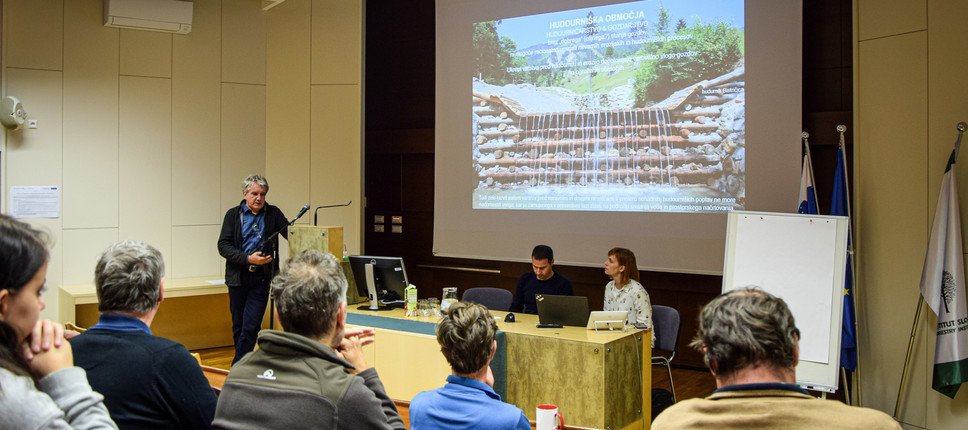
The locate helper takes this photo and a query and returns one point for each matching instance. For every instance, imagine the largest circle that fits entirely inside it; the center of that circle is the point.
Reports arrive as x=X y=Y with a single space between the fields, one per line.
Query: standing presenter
x=248 y=259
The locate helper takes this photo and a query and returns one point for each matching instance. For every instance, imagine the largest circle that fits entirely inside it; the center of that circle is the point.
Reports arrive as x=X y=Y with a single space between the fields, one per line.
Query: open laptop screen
x=564 y=310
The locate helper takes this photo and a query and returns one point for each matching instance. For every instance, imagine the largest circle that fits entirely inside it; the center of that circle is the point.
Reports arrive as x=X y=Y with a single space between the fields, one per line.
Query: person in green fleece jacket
x=312 y=375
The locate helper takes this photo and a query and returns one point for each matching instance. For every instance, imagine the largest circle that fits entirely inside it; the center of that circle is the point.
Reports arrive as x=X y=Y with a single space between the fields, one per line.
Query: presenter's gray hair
x=128 y=277
x=308 y=293
x=747 y=327
x=254 y=179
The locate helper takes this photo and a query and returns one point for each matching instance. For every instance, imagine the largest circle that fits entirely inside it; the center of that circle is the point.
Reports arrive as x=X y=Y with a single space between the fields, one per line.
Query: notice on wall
x=37 y=201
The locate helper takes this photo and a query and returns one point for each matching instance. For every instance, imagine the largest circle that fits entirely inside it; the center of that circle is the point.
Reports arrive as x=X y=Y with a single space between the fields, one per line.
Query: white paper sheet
x=37 y=201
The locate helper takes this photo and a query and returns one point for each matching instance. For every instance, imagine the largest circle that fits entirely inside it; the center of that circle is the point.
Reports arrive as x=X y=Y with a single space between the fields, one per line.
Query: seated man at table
x=147 y=381
x=542 y=279
x=314 y=374
x=751 y=345
x=468 y=401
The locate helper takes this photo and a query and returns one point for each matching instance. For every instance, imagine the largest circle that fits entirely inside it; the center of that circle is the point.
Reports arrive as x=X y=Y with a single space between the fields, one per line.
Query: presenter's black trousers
x=247 y=303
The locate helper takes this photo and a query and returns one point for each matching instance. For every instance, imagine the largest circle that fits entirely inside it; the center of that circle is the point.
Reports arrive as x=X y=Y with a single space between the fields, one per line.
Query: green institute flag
x=943 y=288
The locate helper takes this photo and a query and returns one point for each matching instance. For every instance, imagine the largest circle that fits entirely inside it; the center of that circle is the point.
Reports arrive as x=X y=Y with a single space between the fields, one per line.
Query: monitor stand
x=371 y=292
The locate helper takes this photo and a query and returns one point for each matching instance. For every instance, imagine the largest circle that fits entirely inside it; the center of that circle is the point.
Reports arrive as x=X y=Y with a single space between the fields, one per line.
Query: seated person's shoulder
x=871 y=418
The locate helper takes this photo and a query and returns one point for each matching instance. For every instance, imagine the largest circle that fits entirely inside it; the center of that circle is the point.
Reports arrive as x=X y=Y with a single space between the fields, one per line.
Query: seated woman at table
x=624 y=292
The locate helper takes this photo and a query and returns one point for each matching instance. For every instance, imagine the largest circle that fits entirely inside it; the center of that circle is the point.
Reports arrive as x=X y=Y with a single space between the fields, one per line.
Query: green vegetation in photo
x=493 y=55
x=719 y=49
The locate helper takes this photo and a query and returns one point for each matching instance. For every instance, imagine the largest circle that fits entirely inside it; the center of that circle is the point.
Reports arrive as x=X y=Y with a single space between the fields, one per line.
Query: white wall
x=150 y=134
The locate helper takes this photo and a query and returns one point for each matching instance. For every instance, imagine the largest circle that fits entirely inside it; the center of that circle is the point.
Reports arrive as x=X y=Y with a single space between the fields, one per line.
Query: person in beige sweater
x=751 y=345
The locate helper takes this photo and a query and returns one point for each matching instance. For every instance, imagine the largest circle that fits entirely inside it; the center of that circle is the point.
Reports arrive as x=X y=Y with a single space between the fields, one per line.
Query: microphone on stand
x=301 y=213
x=272 y=236
x=316 y=212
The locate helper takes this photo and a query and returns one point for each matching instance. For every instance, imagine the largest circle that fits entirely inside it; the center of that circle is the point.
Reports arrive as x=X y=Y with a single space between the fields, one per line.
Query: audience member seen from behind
x=313 y=375
x=751 y=345
x=625 y=291
x=468 y=401
x=147 y=381
x=542 y=279
x=39 y=385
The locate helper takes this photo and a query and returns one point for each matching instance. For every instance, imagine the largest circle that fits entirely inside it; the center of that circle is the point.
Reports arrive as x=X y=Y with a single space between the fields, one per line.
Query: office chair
x=666 y=323
x=495 y=299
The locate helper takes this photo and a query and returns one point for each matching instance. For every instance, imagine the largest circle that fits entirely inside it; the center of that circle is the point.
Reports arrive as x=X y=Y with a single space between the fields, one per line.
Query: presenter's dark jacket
x=230 y=240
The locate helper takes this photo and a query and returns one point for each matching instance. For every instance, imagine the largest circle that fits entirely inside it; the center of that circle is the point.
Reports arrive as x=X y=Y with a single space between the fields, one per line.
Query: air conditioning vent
x=169 y=16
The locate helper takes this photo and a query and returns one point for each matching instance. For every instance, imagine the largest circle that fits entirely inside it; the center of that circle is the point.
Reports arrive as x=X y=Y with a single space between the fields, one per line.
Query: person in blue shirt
x=147 y=381
x=468 y=401
x=245 y=244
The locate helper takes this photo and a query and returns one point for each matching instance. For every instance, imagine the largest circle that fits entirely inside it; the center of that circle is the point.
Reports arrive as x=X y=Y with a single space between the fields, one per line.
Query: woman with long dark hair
x=39 y=385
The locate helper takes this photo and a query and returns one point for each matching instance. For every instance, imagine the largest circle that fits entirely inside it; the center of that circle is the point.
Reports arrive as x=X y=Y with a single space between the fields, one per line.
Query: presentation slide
x=606 y=123
x=629 y=107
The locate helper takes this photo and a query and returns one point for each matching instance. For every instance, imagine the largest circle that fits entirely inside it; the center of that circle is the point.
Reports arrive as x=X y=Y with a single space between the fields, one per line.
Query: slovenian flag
x=808 y=199
x=848 y=336
x=943 y=288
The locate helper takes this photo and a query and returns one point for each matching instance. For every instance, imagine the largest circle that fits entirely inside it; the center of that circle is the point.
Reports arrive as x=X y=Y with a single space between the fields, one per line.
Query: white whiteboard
x=801 y=259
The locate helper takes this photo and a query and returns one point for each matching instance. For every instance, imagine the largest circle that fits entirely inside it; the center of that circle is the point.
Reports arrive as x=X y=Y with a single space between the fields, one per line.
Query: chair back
x=666 y=324
x=216 y=377
x=495 y=299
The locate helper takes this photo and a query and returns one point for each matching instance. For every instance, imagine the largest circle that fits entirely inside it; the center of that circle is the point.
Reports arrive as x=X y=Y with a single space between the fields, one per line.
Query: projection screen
x=586 y=125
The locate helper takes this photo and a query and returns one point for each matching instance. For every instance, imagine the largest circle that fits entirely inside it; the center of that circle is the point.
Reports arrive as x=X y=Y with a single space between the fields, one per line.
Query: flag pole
x=805 y=136
x=962 y=126
x=907 y=358
x=853 y=261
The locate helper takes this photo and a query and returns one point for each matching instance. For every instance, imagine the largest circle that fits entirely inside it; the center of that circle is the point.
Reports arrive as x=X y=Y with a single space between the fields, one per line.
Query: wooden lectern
x=324 y=239
x=321 y=238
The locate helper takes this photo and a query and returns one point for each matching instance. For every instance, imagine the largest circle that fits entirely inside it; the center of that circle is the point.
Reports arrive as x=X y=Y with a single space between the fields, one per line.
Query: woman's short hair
x=625 y=257
x=466 y=336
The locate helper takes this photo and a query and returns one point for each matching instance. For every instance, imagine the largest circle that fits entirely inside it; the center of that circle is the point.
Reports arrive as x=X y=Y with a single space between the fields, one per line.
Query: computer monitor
x=379 y=278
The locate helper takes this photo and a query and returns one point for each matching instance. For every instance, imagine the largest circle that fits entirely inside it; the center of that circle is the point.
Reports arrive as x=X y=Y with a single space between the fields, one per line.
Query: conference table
x=597 y=379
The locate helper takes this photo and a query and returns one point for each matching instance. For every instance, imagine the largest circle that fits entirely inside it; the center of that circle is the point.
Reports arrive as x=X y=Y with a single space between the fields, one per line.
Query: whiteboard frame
x=810 y=375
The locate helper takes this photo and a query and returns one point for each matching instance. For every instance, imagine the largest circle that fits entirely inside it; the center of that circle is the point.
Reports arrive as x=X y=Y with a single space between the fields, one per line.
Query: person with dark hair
x=468 y=401
x=751 y=345
x=625 y=291
x=39 y=385
x=248 y=261
x=314 y=374
x=147 y=381
x=542 y=279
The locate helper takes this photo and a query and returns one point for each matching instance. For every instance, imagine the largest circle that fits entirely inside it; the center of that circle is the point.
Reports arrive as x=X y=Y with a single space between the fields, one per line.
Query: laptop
x=564 y=310
x=607 y=320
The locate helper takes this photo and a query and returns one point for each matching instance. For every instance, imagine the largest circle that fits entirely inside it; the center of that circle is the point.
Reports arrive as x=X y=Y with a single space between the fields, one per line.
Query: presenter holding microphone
x=246 y=245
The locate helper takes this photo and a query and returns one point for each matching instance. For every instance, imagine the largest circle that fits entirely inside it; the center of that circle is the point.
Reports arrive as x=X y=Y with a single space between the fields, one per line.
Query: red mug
x=548 y=418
